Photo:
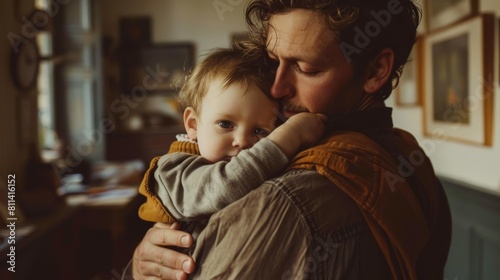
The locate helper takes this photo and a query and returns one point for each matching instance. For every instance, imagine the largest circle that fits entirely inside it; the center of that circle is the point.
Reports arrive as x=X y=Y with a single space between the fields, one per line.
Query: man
x=364 y=203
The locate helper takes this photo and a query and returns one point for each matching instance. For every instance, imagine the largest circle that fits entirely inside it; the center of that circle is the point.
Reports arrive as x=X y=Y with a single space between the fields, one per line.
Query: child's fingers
x=322 y=117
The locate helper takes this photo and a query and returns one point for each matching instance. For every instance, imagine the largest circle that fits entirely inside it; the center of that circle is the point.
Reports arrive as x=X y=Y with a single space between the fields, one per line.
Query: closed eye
x=297 y=68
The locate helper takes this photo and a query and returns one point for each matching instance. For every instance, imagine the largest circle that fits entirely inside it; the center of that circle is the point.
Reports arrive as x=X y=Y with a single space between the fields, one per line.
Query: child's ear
x=380 y=71
x=190 y=123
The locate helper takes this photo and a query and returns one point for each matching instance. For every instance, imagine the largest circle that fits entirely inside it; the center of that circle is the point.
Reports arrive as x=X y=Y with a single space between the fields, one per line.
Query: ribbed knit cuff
x=184 y=147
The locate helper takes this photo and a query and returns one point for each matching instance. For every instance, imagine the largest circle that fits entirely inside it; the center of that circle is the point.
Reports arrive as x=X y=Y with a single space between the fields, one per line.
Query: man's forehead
x=297 y=23
x=300 y=39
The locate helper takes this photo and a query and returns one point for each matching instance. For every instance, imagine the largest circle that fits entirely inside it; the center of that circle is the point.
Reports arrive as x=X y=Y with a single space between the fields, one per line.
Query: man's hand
x=152 y=261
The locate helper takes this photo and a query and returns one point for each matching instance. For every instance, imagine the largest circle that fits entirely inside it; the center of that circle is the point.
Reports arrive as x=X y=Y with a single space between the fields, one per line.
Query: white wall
x=199 y=22
x=475 y=165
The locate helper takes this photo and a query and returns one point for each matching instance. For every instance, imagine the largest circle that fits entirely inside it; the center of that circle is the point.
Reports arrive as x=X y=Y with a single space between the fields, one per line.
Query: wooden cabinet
x=44 y=247
x=475 y=242
x=78 y=240
x=141 y=144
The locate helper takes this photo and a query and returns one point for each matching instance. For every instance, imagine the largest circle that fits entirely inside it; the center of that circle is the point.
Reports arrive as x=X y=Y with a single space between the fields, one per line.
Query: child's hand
x=299 y=131
x=307 y=127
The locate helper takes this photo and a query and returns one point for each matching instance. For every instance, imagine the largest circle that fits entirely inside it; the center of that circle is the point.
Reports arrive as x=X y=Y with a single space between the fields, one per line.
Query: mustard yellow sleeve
x=153 y=210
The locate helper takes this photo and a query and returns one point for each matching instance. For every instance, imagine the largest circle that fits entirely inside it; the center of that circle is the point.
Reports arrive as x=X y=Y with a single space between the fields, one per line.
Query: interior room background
x=207 y=25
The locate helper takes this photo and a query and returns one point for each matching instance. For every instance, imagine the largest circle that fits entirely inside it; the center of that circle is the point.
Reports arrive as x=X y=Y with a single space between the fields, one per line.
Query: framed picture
x=408 y=91
x=135 y=31
x=458 y=81
x=157 y=68
x=444 y=12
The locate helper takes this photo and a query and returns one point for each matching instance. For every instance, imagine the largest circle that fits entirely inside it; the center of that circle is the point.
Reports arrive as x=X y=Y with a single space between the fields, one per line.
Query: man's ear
x=379 y=71
x=190 y=123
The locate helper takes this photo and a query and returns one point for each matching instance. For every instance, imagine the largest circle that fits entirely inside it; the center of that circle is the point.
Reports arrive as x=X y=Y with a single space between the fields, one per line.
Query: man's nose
x=281 y=87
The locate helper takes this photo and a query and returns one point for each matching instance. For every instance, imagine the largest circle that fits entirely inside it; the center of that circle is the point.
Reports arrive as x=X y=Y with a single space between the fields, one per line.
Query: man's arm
x=260 y=236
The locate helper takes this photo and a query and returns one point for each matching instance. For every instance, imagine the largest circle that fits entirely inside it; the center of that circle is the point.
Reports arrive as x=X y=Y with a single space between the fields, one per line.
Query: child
x=231 y=122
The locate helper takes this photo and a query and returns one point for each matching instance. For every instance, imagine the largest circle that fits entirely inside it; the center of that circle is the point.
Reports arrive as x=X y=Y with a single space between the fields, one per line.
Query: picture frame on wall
x=408 y=92
x=440 y=13
x=156 y=68
x=135 y=31
x=458 y=81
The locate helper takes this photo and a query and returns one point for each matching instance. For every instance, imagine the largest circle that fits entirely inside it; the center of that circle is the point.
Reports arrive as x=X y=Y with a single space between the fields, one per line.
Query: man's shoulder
x=303 y=184
x=350 y=142
x=310 y=196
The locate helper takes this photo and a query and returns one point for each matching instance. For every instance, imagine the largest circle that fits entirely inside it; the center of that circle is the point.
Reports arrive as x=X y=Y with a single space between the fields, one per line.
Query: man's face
x=313 y=75
x=233 y=119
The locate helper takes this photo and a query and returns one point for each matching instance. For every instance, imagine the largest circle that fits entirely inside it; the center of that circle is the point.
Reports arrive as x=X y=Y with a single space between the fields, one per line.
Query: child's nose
x=243 y=141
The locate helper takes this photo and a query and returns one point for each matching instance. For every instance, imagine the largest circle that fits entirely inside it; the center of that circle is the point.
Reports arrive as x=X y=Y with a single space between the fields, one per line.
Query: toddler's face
x=233 y=119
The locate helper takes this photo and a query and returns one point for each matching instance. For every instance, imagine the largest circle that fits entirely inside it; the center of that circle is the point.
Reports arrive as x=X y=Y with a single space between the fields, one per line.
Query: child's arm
x=190 y=187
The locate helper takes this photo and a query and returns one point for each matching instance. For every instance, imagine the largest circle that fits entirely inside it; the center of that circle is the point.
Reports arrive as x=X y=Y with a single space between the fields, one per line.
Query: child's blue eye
x=225 y=124
x=261 y=132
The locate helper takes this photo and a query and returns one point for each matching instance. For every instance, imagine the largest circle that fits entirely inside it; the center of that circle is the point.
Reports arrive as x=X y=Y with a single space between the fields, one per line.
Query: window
x=45 y=88
x=46 y=116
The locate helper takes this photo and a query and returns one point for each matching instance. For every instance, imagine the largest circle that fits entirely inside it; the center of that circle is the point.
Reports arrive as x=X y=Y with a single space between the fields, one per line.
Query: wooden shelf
x=141 y=144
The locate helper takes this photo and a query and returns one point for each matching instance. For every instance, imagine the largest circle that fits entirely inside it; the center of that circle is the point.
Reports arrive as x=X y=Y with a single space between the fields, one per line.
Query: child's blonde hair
x=244 y=62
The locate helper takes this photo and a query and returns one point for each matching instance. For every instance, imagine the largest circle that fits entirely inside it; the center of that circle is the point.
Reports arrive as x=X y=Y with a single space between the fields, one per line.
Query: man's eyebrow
x=289 y=58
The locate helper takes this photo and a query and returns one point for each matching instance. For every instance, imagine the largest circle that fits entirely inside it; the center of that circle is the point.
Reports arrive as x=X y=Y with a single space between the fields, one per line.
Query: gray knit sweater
x=192 y=188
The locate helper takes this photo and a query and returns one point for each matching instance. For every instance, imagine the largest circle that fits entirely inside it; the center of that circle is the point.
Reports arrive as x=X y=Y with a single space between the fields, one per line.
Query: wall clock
x=25 y=65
